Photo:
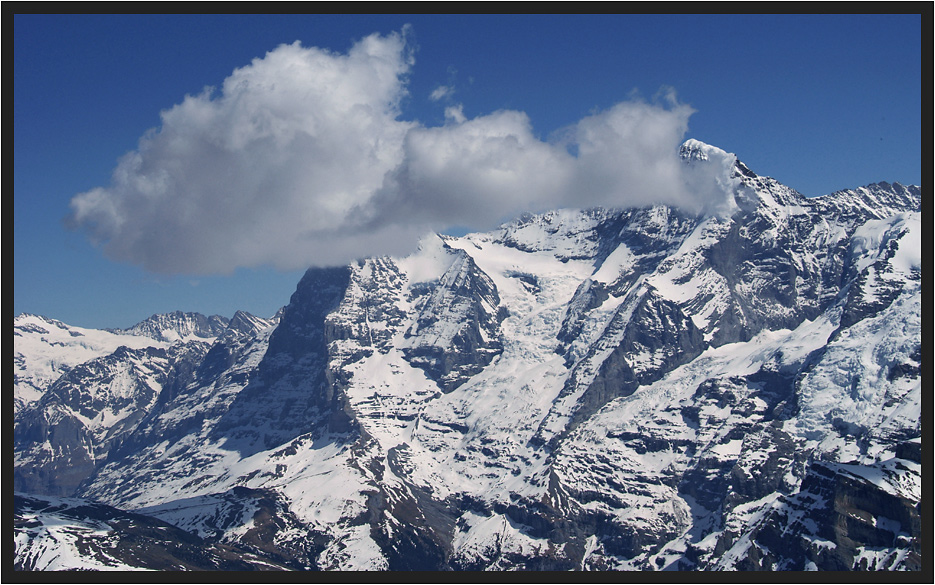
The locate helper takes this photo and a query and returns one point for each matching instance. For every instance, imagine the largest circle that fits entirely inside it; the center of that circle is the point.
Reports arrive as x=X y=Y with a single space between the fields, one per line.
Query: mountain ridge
x=641 y=388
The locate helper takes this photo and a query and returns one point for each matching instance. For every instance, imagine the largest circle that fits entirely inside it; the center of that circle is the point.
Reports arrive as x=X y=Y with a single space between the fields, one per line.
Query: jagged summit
x=178 y=325
x=695 y=150
x=880 y=200
x=244 y=323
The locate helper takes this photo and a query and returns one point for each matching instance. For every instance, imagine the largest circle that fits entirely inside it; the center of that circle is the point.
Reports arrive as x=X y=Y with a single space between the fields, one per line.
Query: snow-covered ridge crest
x=179 y=326
x=696 y=150
x=46 y=348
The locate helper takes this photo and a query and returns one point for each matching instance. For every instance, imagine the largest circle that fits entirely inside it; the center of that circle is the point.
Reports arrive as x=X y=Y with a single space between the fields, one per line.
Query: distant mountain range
x=600 y=389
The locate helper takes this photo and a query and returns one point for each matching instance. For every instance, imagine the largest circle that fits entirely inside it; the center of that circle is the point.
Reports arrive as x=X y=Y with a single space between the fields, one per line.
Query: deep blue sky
x=820 y=102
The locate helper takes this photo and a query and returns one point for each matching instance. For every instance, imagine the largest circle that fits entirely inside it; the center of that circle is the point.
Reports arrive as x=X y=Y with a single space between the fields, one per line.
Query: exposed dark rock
x=457 y=331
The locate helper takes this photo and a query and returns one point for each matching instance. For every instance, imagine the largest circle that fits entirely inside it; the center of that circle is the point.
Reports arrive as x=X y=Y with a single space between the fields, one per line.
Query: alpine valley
x=605 y=389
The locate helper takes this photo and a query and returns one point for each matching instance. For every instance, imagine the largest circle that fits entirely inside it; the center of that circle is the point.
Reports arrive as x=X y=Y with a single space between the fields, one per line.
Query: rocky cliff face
x=601 y=389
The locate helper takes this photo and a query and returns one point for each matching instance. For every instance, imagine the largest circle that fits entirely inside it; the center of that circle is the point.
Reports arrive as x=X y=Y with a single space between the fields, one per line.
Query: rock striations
x=604 y=389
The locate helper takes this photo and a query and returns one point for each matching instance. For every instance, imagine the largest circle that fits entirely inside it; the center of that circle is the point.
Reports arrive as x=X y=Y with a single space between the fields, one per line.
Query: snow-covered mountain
x=44 y=349
x=646 y=388
x=107 y=384
x=177 y=325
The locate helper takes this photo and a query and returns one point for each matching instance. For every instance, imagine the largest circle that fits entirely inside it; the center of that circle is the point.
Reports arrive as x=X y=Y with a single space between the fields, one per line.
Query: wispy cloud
x=302 y=158
x=441 y=92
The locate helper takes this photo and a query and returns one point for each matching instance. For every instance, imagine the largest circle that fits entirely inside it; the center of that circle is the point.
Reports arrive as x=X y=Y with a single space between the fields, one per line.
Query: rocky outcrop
x=838 y=520
x=90 y=536
x=457 y=331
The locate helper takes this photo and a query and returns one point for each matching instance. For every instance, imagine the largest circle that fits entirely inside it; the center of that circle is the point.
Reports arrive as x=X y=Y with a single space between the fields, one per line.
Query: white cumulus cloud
x=301 y=158
x=261 y=170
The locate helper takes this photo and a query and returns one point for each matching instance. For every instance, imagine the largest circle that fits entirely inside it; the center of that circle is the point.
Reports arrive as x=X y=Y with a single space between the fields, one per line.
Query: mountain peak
x=178 y=325
x=696 y=150
x=248 y=324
